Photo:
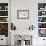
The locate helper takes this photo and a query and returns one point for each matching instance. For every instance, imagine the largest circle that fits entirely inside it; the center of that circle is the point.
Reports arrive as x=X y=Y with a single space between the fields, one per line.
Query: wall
x=32 y=6
x=23 y=24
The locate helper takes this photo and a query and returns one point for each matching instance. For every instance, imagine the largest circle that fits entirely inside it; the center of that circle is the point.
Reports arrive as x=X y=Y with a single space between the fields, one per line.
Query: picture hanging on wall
x=22 y=14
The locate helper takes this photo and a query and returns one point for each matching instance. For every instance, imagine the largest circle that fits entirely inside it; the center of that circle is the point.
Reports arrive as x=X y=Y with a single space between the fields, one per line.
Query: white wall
x=23 y=24
x=32 y=6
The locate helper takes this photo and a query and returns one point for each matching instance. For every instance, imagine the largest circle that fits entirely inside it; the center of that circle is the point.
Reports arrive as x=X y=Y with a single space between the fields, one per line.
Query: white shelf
x=41 y=28
x=41 y=22
x=42 y=16
x=3 y=10
x=4 y=1
x=3 y=22
x=41 y=10
x=3 y=16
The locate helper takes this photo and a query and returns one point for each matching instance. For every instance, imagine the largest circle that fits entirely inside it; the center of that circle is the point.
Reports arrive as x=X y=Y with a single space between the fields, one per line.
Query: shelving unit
x=42 y=19
x=4 y=19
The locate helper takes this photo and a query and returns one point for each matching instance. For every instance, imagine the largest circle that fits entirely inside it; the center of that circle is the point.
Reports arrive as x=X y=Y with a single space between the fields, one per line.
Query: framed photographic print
x=23 y=14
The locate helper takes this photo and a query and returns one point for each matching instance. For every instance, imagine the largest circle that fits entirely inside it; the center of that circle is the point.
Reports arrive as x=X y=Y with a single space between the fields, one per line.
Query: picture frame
x=22 y=14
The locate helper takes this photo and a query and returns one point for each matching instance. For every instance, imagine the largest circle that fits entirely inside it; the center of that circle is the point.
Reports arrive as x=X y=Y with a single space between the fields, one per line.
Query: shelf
x=3 y=22
x=42 y=16
x=3 y=13
x=4 y=19
x=41 y=28
x=3 y=10
x=41 y=22
x=3 y=16
x=41 y=10
x=42 y=19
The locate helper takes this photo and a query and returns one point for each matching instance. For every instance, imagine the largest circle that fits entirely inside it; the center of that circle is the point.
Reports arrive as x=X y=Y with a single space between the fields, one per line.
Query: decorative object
x=23 y=14
x=6 y=7
x=27 y=38
x=41 y=19
x=31 y=27
x=22 y=43
x=23 y=40
x=41 y=6
x=42 y=32
x=0 y=7
x=3 y=19
x=43 y=13
x=24 y=37
x=13 y=27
